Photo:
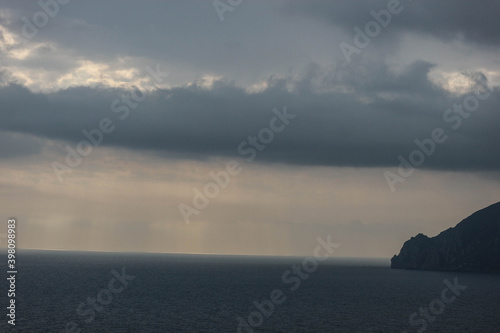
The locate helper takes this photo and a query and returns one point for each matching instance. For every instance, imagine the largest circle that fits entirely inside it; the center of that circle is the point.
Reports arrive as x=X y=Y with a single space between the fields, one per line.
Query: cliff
x=473 y=245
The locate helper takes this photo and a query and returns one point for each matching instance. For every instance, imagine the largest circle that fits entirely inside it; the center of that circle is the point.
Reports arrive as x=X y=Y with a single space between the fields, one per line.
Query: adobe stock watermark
x=95 y=136
x=437 y=306
x=223 y=6
x=50 y=8
x=221 y=179
x=426 y=147
x=104 y=297
x=372 y=29
x=292 y=277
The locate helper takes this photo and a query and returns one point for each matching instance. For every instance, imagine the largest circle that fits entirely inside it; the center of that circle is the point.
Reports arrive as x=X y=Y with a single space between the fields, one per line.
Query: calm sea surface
x=193 y=293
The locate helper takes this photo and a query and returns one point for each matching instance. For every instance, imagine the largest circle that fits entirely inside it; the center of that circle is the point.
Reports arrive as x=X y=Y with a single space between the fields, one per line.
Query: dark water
x=188 y=293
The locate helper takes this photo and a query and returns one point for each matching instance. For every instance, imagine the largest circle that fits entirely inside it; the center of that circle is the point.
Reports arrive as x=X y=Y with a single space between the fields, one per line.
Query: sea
x=57 y=291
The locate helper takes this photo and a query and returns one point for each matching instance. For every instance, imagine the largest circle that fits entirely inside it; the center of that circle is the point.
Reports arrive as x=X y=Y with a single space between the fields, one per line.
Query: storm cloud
x=344 y=118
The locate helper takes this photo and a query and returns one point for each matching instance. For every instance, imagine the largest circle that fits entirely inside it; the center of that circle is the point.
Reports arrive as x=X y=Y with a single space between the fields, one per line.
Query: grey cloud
x=186 y=37
x=369 y=126
x=475 y=22
x=15 y=145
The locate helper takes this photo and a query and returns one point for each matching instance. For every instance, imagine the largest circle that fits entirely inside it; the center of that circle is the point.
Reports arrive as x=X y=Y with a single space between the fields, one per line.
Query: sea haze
x=207 y=293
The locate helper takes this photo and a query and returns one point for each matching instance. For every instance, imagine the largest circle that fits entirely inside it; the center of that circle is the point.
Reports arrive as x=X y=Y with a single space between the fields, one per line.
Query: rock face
x=473 y=245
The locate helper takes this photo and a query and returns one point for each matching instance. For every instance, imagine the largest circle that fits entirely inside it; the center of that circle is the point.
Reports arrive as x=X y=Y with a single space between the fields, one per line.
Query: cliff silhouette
x=473 y=245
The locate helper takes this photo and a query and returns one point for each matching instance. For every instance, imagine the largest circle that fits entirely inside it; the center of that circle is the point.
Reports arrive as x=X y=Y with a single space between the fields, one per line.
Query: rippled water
x=190 y=293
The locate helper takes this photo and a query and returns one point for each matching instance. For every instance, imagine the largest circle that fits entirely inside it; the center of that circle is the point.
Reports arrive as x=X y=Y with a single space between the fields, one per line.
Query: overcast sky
x=373 y=121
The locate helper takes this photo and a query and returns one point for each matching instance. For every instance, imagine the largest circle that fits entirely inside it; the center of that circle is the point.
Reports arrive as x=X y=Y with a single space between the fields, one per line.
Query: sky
x=246 y=126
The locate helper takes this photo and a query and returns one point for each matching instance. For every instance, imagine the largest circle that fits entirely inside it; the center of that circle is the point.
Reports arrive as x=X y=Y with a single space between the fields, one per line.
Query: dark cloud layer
x=475 y=22
x=362 y=117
